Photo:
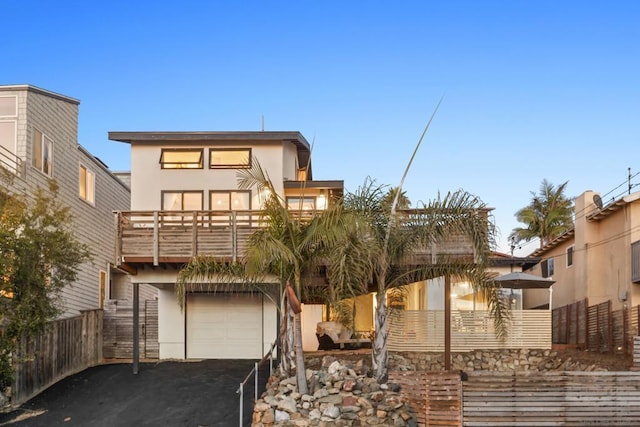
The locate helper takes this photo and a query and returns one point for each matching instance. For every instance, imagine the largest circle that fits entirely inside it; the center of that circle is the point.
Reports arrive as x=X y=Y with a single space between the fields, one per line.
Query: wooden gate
x=434 y=397
x=118 y=329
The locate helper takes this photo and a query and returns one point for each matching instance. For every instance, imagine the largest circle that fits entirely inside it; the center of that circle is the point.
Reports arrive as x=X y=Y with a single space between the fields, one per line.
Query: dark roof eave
x=332 y=184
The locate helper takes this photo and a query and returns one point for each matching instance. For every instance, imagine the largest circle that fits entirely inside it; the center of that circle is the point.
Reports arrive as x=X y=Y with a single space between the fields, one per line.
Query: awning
x=518 y=280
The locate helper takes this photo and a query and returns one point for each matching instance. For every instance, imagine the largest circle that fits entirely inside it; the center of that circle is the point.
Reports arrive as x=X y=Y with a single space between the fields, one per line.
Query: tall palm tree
x=287 y=246
x=549 y=214
x=381 y=251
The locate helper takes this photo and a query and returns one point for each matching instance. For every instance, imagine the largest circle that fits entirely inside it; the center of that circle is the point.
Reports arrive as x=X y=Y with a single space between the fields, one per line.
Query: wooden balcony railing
x=174 y=237
x=177 y=236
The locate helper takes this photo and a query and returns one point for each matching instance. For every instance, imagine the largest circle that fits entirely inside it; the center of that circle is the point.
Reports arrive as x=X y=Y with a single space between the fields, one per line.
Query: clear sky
x=532 y=89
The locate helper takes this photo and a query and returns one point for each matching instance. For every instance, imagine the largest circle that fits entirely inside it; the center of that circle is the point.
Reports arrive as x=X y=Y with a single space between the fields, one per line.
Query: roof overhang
x=230 y=137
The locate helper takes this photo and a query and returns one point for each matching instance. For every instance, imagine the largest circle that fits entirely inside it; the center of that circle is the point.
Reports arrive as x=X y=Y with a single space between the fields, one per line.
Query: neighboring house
x=598 y=259
x=39 y=142
x=185 y=202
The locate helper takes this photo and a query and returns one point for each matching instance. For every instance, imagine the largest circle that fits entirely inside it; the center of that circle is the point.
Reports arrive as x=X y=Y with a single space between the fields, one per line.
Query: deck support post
x=447 y=323
x=136 y=329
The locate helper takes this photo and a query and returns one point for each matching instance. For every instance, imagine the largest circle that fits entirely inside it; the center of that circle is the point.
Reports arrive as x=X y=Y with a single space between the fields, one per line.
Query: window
x=182 y=200
x=42 y=152
x=301 y=203
x=570 y=256
x=231 y=158
x=8 y=126
x=635 y=262
x=547 y=267
x=8 y=106
x=176 y=158
x=87 y=185
x=230 y=200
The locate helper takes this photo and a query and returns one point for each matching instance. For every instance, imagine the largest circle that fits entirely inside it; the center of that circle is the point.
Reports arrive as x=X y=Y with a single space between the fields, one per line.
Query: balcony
x=172 y=238
x=12 y=163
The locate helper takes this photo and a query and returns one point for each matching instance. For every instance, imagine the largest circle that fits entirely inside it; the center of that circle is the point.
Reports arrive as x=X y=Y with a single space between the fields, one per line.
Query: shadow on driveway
x=162 y=394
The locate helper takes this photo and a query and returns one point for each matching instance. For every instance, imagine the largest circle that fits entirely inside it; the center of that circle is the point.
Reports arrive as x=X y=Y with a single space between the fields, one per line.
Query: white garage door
x=224 y=326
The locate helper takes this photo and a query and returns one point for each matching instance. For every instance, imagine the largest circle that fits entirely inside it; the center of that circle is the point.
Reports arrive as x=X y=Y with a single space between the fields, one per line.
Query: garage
x=228 y=325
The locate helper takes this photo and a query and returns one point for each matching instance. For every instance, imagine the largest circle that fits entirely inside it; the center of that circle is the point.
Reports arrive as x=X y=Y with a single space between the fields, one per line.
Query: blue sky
x=532 y=90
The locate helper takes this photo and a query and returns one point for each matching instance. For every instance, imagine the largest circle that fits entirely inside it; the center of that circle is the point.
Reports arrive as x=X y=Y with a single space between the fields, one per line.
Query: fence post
x=625 y=329
x=567 y=326
x=610 y=327
x=586 y=323
x=255 y=390
x=241 y=399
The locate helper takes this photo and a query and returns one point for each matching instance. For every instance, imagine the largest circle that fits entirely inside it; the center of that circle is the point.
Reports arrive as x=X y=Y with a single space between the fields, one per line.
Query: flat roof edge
x=38 y=90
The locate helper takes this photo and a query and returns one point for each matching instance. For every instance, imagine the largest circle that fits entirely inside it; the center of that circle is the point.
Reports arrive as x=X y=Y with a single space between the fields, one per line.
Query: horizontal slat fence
x=66 y=347
x=423 y=330
x=118 y=329
x=551 y=399
x=434 y=397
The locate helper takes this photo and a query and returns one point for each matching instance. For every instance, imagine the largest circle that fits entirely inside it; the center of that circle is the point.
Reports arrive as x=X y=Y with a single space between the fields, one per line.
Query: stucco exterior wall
x=148 y=179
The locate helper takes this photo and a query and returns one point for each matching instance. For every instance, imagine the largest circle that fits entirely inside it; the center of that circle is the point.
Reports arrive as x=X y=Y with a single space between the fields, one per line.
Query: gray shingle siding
x=57 y=118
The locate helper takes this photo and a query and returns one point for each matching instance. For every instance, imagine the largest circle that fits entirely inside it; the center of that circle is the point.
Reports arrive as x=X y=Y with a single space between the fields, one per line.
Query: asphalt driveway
x=162 y=394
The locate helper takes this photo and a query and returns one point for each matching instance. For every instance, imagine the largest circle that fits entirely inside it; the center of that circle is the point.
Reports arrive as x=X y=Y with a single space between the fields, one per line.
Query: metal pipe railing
x=256 y=366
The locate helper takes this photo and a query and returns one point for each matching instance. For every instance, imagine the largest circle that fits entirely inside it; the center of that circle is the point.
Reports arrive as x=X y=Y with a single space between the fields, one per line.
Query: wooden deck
x=175 y=237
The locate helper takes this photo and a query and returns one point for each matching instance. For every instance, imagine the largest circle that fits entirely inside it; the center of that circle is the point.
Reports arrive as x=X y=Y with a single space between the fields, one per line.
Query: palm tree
x=287 y=246
x=549 y=214
x=379 y=251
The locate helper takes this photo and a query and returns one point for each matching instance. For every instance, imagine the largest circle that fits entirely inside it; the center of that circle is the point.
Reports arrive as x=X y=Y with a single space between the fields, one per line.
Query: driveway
x=162 y=394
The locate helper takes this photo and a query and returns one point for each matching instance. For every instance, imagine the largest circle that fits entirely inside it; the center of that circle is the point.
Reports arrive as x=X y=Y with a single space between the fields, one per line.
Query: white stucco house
x=185 y=201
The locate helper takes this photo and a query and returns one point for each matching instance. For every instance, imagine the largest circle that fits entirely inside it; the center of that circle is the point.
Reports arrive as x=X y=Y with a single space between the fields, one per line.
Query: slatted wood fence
x=434 y=397
x=596 y=328
x=118 y=329
x=66 y=347
x=423 y=330
x=551 y=399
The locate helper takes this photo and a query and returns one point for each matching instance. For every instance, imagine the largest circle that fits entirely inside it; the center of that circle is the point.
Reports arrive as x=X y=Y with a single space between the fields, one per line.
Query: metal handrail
x=240 y=390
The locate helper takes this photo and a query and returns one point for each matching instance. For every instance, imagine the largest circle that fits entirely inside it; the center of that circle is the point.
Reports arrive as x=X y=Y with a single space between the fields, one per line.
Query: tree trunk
x=291 y=362
x=380 y=369
x=301 y=372
x=285 y=349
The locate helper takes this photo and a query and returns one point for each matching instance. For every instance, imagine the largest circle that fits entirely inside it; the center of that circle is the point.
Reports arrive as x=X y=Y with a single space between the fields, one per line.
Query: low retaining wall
x=489 y=360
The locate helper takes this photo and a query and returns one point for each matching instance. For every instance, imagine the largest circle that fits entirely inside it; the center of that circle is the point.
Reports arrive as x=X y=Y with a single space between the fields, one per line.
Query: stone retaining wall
x=489 y=360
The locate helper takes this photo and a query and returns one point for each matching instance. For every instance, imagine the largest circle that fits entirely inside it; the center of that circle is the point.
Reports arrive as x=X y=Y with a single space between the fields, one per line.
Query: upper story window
x=570 y=256
x=635 y=262
x=87 y=187
x=8 y=126
x=547 y=267
x=182 y=200
x=42 y=152
x=8 y=106
x=229 y=158
x=230 y=200
x=181 y=158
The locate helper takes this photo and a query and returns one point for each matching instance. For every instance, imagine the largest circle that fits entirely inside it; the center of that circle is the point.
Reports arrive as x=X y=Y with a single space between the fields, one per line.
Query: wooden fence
x=597 y=328
x=118 y=329
x=423 y=330
x=66 y=347
x=551 y=399
x=434 y=397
